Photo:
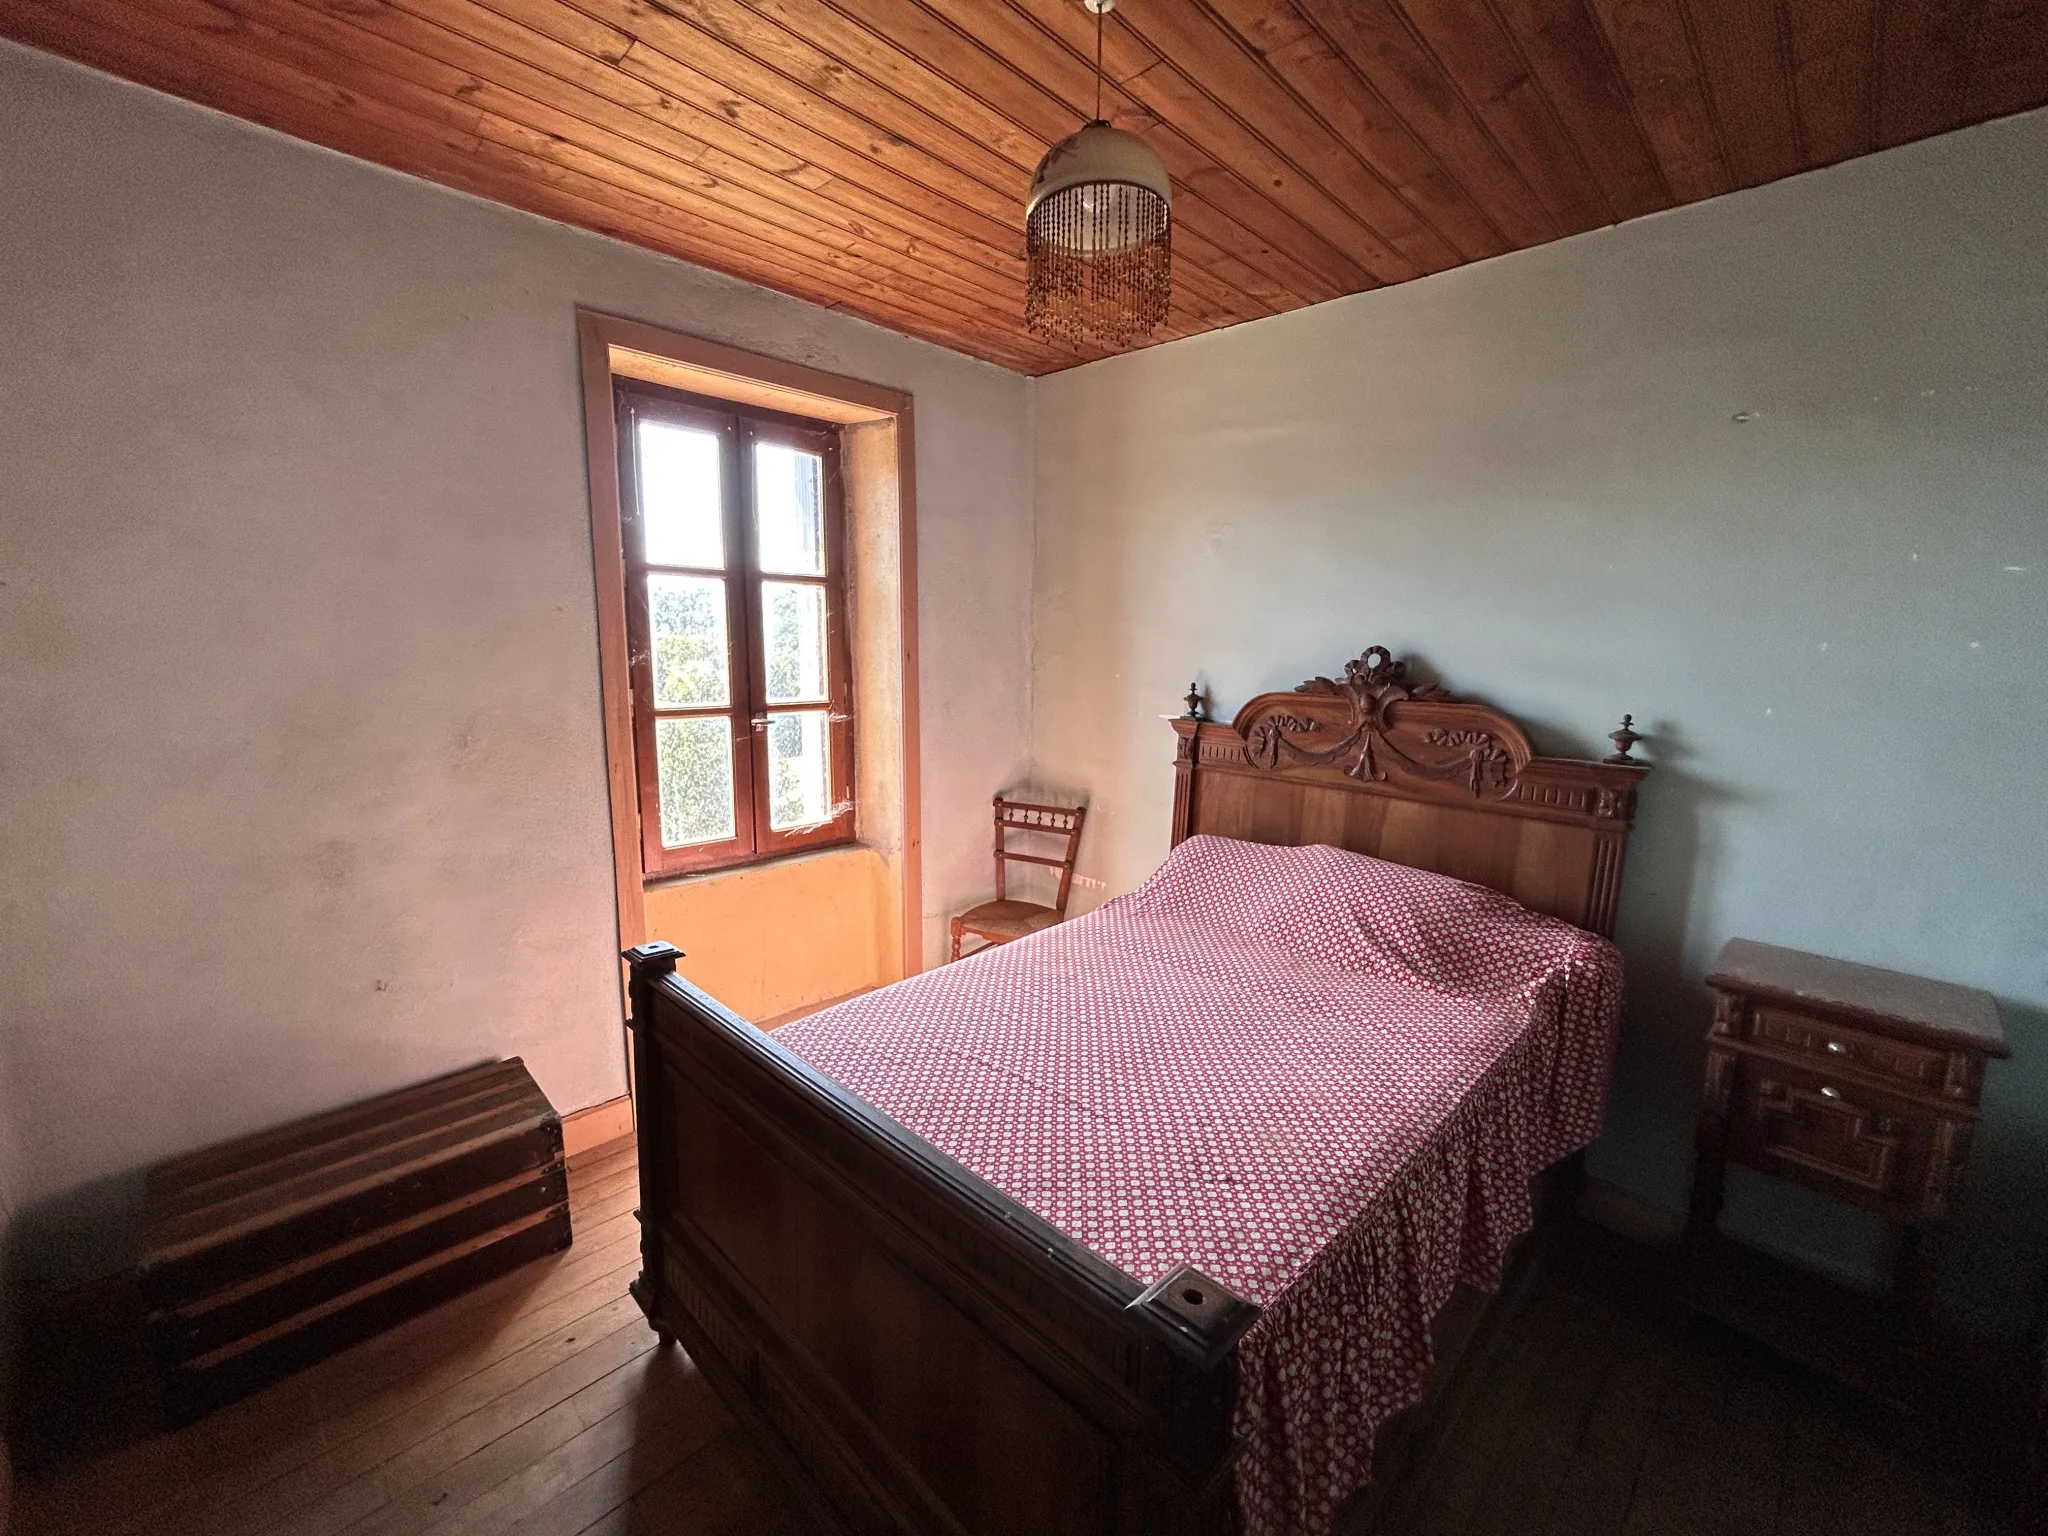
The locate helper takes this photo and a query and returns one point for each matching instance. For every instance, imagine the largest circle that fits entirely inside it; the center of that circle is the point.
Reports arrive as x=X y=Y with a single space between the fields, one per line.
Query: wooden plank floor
x=541 y=1406
x=1602 y=1415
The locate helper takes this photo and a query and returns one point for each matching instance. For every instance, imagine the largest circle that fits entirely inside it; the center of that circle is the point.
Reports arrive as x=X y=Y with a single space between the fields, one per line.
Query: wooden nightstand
x=1859 y=1083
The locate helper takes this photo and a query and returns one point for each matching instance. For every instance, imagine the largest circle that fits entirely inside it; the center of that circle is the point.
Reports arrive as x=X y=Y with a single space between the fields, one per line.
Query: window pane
x=694 y=761
x=799 y=772
x=789 y=510
x=682 y=512
x=686 y=615
x=793 y=630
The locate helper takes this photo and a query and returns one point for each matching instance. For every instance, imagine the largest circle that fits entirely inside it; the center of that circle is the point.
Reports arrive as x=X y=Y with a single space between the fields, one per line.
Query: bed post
x=650 y=963
x=1189 y=729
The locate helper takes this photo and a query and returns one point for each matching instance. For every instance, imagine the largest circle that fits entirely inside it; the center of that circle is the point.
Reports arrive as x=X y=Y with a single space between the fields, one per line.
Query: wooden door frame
x=610 y=345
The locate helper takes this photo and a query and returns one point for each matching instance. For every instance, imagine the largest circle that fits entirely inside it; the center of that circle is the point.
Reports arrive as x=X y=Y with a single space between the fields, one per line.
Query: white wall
x=1770 y=472
x=300 y=744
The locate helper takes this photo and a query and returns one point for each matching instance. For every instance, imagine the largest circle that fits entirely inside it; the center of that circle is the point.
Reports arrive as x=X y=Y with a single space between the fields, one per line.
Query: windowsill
x=774 y=861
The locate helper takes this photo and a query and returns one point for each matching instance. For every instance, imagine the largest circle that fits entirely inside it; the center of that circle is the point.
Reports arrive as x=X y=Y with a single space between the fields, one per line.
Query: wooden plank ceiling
x=873 y=155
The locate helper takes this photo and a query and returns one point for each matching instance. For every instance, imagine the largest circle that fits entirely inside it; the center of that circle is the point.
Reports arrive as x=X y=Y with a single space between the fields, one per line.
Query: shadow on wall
x=1998 y=1239
x=1996 y=1242
x=1647 y=1145
x=82 y=1379
x=1673 y=855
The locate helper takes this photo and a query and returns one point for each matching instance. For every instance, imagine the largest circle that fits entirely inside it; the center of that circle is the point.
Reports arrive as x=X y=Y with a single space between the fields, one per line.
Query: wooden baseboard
x=597 y=1129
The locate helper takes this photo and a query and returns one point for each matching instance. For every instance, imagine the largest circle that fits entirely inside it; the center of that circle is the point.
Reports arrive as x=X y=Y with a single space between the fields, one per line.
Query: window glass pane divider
x=749 y=752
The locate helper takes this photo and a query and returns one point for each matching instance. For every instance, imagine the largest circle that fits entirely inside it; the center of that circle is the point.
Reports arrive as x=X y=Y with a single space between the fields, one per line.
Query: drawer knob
x=1836 y=1048
x=1830 y=1093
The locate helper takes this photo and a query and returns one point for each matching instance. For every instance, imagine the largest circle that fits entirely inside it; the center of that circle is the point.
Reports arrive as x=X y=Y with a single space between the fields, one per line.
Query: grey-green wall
x=1771 y=472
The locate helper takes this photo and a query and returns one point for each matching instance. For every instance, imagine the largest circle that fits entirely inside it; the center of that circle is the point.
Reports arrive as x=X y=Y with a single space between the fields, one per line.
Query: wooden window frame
x=740 y=428
x=610 y=347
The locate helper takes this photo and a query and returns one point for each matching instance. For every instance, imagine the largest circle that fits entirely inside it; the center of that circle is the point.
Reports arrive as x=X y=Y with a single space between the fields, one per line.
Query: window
x=736 y=622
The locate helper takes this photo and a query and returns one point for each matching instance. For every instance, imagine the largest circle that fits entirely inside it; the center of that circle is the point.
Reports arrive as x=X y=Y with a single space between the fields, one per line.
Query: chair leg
x=956 y=941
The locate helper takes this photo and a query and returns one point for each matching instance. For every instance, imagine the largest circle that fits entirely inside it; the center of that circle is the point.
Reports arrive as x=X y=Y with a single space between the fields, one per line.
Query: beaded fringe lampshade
x=1098 y=230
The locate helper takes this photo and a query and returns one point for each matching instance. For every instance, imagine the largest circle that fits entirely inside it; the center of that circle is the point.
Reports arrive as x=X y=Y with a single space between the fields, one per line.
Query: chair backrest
x=1052 y=820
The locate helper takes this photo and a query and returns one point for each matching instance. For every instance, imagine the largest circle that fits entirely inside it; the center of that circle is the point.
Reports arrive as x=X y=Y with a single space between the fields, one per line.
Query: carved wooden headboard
x=1405 y=772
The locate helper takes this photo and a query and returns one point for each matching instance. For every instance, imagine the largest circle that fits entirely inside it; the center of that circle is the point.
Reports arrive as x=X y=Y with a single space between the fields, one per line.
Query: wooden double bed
x=927 y=1352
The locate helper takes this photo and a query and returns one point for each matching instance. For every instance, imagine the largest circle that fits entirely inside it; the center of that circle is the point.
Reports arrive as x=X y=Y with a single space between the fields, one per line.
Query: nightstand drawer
x=1831 y=1134
x=1837 y=1044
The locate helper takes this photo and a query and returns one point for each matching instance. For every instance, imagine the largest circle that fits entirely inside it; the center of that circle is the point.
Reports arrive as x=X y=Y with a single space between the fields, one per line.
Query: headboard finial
x=1193 y=700
x=1623 y=740
x=1376 y=667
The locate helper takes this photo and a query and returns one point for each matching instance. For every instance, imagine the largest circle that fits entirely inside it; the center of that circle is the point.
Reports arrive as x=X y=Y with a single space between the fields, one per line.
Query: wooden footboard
x=931 y=1356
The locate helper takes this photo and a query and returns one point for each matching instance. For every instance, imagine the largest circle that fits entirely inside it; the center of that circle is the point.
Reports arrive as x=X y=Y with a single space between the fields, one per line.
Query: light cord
x=1098 y=66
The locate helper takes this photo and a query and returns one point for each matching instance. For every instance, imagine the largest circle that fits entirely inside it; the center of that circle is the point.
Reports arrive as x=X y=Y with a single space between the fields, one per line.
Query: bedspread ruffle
x=1347 y=1346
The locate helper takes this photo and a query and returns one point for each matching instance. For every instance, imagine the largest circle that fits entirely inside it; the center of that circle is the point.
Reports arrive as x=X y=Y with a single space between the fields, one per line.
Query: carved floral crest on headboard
x=1485 y=753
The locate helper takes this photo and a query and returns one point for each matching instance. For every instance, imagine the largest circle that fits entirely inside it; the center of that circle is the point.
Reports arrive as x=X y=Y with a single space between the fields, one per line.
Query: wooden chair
x=1002 y=920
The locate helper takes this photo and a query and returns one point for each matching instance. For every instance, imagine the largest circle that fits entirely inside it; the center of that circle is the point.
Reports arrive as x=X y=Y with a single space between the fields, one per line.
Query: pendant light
x=1098 y=231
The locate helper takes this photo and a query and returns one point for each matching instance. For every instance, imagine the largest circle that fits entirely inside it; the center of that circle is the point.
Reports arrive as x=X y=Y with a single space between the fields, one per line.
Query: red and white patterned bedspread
x=1324 y=1079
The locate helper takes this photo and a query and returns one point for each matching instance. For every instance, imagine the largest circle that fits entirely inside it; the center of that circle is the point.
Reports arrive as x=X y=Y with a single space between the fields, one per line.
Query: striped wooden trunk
x=268 y=1253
